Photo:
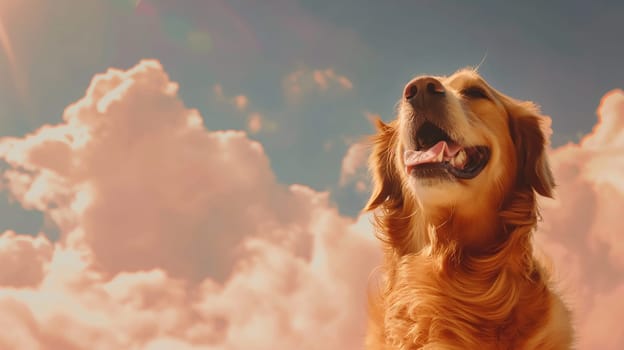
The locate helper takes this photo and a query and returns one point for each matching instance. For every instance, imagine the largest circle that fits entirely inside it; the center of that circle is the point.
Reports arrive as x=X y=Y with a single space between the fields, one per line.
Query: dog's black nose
x=423 y=87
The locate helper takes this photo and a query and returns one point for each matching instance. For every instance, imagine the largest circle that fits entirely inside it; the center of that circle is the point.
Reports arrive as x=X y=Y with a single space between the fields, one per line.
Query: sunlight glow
x=7 y=47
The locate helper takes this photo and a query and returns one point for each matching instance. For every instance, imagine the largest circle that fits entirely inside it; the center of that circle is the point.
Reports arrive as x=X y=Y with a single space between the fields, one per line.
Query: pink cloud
x=23 y=259
x=171 y=235
x=354 y=164
x=298 y=84
x=354 y=167
x=254 y=123
x=581 y=230
x=240 y=102
x=602 y=325
x=149 y=175
x=323 y=78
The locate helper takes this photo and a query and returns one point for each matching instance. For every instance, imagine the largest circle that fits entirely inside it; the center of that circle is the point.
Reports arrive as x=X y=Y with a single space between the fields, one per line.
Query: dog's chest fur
x=424 y=310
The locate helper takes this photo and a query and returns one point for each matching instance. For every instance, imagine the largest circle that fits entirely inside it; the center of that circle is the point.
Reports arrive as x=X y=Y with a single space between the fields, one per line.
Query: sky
x=190 y=174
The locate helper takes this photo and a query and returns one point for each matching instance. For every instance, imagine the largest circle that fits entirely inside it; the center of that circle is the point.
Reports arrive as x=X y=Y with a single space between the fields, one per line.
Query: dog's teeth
x=440 y=157
x=460 y=159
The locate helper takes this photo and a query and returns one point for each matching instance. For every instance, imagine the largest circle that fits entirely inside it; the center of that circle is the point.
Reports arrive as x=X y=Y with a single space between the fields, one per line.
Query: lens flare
x=16 y=75
x=183 y=31
x=127 y=4
x=199 y=41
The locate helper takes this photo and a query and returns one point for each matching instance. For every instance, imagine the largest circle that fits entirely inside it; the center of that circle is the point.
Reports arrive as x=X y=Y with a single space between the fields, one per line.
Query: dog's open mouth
x=437 y=154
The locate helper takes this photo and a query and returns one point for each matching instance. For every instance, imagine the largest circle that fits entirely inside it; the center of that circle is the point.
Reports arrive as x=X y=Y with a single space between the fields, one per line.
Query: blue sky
x=565 y=55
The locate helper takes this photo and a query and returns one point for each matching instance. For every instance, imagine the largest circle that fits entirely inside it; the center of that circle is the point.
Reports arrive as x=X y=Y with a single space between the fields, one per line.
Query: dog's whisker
x=476 y=69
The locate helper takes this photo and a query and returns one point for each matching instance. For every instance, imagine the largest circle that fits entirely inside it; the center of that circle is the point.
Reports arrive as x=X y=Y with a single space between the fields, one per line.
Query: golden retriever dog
x=456 y=176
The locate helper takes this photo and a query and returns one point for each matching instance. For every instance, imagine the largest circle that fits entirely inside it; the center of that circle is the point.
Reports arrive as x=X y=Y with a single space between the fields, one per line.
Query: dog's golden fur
x=459 y=270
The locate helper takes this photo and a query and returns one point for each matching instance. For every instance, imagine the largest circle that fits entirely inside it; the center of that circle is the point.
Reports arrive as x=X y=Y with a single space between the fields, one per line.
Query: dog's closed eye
x=474 y=92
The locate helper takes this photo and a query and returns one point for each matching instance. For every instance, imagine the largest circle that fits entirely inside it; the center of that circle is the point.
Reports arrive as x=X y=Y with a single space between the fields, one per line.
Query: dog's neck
x=454 y=239
x=505 y=229
x=466 y=231
x=488 y=289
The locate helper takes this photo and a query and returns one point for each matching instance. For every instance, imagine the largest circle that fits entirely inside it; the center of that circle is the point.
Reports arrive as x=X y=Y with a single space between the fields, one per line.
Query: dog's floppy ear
x=527 y=132
x=386 y=180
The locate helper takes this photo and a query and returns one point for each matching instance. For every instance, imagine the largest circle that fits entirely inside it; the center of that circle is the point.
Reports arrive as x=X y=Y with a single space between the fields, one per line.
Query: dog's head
x=456 y=152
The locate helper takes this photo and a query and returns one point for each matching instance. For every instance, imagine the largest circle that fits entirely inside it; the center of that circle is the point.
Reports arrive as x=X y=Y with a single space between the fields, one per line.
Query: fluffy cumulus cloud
x=172 y=235
x=582 y=227
x=354 y=166
x=22 y=258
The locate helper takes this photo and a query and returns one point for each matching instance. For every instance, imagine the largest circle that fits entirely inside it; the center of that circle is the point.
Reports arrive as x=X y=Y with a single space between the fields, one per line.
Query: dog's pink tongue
x=435 y=154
